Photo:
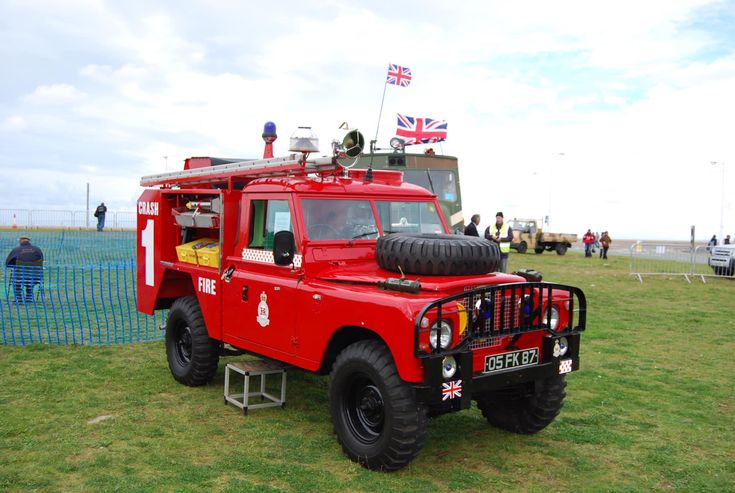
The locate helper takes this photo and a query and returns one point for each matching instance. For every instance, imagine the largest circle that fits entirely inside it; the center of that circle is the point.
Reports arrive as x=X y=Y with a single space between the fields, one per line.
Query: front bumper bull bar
x=493 y=312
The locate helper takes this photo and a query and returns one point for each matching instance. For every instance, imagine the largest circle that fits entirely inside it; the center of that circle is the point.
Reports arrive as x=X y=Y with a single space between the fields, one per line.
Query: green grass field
x=652 y=409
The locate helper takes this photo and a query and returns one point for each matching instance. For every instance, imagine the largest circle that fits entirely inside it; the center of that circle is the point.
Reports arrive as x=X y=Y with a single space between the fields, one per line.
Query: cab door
x=260 y=306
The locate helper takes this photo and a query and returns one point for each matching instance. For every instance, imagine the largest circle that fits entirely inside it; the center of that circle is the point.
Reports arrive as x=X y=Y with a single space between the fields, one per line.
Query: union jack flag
x=398 y=76
x=421 y=130
x=451 y=390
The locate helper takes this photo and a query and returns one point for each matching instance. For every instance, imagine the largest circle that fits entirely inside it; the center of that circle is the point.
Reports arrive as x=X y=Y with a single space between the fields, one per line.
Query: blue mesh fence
x=83 y=294
x=75 y=247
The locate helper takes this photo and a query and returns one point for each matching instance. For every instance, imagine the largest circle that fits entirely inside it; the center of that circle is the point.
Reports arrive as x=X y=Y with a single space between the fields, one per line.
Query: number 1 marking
x=146 y=241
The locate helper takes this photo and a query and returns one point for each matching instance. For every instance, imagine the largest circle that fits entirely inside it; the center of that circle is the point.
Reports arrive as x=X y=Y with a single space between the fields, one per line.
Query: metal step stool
x=253 y=369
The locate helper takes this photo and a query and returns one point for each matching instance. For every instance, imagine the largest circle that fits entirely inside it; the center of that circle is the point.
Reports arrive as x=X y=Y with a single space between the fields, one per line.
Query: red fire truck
x=351 y=273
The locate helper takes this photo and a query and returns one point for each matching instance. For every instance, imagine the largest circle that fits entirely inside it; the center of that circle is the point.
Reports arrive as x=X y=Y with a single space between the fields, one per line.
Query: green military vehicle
x=527 y=234
x=438 y=174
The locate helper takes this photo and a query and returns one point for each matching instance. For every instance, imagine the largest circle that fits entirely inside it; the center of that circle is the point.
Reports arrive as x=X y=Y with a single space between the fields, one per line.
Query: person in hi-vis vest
x=501 y=234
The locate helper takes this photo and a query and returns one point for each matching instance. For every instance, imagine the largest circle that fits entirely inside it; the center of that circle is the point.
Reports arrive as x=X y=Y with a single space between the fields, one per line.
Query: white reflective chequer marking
x=265 y=256
x=565 y=366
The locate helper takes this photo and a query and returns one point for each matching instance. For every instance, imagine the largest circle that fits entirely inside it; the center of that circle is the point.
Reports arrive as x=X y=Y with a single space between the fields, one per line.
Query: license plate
x=512 y=359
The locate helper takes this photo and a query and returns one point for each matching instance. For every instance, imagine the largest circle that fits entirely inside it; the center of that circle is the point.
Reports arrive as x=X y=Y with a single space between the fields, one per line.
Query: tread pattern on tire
x=407 y=421
x=437 y=254
x=205 y=351
x=528 y=414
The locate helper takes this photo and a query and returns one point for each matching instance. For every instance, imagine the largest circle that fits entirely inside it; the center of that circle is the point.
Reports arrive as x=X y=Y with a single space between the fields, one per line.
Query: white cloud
x=156 y=43
x=14 y=122
x=55 y=94
x=106 y=74
x=617 y=87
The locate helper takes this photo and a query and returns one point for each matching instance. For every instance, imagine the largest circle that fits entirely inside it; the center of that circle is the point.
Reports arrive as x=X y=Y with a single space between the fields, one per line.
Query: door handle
x=227 y=274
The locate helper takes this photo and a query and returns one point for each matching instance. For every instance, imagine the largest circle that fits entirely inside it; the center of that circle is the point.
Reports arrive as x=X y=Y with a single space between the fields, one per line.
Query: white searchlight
x=397 y=144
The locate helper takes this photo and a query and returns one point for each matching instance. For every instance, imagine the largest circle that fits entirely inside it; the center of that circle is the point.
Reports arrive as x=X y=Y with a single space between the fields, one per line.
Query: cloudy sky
x=606 y=114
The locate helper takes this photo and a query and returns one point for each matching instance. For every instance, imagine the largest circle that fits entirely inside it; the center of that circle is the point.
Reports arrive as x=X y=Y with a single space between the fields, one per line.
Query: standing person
x=26 y=260
x=99 y=213
x=471 y=228
x=588 y=239
x=605 y=244
x=502 y=234
x=727 y=240
x=712 y=243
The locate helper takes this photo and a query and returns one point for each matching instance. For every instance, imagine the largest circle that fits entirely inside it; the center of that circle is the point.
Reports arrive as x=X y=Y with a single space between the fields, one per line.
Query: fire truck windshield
x=409 y=217
x=334 y=219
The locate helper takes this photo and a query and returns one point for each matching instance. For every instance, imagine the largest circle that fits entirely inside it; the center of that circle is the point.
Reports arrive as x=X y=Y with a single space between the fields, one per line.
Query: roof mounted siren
x=269 y=136
x=347 y=145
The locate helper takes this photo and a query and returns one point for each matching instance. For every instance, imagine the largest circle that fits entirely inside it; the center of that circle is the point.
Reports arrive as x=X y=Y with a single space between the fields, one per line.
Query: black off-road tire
x=539 y=249
x=561 y=248
x=192 y=355
x=522 y=247
x=437 y=254
x=522 y=409
x=375 y=415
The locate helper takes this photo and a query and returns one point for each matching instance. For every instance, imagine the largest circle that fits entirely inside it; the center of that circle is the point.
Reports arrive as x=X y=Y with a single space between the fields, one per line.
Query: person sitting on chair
x=27 y=262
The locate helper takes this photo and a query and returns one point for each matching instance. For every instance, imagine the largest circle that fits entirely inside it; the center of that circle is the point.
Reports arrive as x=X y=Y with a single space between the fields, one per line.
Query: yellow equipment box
x=208 y=255
x=188 y=251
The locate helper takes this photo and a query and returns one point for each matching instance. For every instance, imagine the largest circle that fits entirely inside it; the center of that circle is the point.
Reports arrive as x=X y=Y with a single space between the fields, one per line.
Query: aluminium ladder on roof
x=292 y=164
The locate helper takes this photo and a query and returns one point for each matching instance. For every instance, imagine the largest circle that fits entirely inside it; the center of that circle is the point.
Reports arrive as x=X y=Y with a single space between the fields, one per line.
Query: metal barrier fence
x=91 y=305
x=26 y=218
x=656 y=259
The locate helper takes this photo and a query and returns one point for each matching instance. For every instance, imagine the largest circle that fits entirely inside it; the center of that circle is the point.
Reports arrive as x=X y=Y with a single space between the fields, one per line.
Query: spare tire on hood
x=437 y=254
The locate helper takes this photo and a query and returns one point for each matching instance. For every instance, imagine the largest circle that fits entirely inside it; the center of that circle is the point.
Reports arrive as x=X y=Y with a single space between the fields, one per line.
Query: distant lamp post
x=550 y=186
x=165 y=158
x=722 y=198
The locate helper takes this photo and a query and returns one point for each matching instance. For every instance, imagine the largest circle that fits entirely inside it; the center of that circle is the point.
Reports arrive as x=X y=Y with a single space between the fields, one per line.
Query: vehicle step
x=255 y=368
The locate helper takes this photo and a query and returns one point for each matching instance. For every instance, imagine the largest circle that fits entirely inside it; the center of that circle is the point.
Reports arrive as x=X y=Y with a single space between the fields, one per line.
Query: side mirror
x=284 y=248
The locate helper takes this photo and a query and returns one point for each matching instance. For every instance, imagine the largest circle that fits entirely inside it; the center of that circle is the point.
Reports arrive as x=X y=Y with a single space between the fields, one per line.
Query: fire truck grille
x=480 y=316
x=484 y=343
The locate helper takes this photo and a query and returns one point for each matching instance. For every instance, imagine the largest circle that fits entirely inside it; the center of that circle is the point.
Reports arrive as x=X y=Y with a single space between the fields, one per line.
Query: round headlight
x=563 y=346
x=445 y=334
x=554 y=318
x=449 y=367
